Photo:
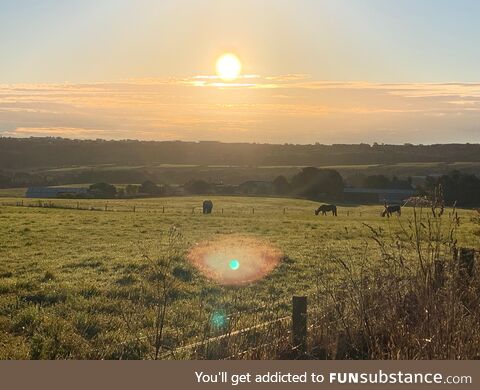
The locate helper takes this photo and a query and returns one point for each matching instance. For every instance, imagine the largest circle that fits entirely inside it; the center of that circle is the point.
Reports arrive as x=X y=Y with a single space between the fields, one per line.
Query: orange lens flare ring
x=235 y=260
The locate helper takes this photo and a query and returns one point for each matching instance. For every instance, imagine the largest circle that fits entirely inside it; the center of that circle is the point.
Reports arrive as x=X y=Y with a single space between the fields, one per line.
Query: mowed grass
x=66 y=274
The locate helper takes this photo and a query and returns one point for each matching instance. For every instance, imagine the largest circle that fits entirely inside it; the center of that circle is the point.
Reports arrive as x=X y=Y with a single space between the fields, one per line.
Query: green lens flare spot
x=218 y=320
x=234 y=264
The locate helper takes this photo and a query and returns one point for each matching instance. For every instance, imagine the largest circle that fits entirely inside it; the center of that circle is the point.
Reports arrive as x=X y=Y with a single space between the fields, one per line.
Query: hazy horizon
x=311 y=71
x=371 y=144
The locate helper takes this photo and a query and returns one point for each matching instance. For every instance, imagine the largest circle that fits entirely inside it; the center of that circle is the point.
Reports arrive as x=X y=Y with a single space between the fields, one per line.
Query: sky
x=328 y=71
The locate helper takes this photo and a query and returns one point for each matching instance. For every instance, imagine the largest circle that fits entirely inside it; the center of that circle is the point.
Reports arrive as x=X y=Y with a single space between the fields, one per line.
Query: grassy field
x=69 y=278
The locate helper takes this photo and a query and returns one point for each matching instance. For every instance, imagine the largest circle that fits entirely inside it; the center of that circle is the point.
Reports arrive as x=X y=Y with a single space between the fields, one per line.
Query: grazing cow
x=326 y=207
x=390 y=209
x=207 y=206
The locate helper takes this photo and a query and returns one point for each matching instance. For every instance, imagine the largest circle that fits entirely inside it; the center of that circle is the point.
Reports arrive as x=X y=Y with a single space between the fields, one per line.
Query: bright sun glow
x=228 y=67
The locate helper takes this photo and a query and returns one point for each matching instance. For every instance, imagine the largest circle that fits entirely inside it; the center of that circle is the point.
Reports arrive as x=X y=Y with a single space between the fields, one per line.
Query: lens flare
x=234 y=264
x=235 y=260
x=218 y=320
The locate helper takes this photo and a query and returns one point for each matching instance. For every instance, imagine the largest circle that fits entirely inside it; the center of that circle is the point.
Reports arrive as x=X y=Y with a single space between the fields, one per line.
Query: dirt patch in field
x=235 y=260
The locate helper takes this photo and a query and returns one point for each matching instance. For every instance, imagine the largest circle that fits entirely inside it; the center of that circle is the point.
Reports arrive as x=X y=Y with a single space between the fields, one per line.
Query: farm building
x=377 y=195
x=55 y=192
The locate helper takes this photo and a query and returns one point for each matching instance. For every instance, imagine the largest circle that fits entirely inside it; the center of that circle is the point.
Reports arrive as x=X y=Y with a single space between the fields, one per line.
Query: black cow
x=324 y=208
x=390 y=209
x=207 y=206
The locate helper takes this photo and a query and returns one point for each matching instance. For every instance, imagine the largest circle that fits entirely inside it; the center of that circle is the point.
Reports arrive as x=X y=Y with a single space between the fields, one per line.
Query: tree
x=150 y=188
x=459 y=187
x=281 y=186
x=312 y=183
x=102 y=190
x=198 y=187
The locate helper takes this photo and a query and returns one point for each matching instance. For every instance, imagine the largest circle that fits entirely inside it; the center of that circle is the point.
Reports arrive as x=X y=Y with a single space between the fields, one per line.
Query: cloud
x=282 y=108
x=69 y=132
x=288 y=77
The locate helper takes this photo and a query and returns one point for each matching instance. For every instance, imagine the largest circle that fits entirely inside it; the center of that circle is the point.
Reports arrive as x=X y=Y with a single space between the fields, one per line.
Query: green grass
x=65 y=274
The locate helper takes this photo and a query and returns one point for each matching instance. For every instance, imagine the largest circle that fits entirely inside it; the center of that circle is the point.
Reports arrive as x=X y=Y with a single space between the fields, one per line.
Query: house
x=56 y=192
x=377 y=195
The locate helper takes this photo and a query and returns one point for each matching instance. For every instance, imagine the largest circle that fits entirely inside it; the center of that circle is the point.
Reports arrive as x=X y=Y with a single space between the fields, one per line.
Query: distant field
x=420 y=165
x=12 y=192
x=65 y=274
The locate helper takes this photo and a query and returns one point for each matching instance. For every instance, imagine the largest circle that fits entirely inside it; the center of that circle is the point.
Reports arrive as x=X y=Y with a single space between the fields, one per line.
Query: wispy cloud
x=55 y=132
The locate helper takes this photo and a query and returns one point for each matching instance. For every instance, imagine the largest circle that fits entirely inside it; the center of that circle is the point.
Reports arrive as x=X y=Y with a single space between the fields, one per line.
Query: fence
x=129 y=206
x=290 y=337
x=285 y=334
x=143 y=207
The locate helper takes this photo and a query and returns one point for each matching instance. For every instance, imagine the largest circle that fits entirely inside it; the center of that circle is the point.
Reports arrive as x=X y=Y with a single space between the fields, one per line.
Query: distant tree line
x=313 y=183
x=310 y=183
x=24 y=179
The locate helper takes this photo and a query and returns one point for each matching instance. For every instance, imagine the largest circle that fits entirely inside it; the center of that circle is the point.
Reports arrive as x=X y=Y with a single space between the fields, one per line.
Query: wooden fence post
x=222 y=210
x=438 y=274
x=134 y=208
x=78 y=205
x=193 y=210
x=299 y=324
x=253 y=210
x=466 y=258
x=163 y=209
x=106 y=206
x=284 y=210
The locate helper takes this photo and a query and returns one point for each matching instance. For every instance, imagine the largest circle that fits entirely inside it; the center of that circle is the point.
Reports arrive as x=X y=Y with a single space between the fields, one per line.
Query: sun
x=228 y=67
